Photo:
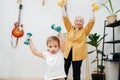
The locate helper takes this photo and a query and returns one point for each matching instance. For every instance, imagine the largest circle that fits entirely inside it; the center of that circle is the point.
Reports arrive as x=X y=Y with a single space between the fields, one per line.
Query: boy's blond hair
x=53 y=38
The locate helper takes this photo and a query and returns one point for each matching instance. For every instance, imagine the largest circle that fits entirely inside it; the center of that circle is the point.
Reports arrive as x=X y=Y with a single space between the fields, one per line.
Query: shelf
x=115 y=24
x=105 y=59
x=114 y=56
x=115 y=53
x=115 y=41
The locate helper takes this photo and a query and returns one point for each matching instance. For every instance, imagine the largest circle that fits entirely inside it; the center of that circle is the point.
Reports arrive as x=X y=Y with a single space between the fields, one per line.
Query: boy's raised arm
x=33 y=49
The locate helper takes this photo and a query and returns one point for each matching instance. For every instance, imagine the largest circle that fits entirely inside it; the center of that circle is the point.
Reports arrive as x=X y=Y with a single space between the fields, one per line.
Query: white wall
x=20 y=62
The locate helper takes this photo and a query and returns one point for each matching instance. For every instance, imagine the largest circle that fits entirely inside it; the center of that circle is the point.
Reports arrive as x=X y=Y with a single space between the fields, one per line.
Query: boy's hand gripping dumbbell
x=56 y=28
x=28 y=38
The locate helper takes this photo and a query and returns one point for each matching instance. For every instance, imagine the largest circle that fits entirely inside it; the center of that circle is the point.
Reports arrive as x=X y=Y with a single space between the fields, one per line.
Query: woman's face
x=79 y=22
x=53 y=47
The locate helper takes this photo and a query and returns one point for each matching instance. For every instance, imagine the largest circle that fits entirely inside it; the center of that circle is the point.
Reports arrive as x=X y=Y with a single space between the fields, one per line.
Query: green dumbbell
x=27 y=41
x=56 y=28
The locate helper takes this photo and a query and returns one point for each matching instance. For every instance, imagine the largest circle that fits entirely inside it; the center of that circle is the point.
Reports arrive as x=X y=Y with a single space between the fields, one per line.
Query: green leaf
x=107 y=8
x=99 y=51
x=101 y=67
x=92 y=43
x=91 y=52
x=93 y=61
x=117 y=11
x=111 y=7
x=102 y=37
x=91 y=37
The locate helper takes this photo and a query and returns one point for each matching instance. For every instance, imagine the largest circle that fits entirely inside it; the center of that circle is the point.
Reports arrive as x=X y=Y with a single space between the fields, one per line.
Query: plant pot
x=111 y=19
x=98 y=76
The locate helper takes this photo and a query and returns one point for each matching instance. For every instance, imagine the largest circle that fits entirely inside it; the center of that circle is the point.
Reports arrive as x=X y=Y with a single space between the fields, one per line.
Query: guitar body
x=18 y=31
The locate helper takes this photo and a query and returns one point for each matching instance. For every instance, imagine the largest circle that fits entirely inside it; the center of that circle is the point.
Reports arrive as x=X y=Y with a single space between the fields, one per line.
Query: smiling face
x=53 y=44
x=79 y=21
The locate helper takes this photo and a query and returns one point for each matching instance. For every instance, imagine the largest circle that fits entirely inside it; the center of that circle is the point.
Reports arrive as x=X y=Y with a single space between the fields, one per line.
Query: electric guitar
x=17 y=31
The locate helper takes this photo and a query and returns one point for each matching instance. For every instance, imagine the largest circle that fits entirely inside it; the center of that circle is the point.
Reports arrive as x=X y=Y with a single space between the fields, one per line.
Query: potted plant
x=113 y=13
x=95 y=40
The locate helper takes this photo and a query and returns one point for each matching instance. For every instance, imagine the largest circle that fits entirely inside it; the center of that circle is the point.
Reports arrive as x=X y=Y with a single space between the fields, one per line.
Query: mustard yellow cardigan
x=76 y=40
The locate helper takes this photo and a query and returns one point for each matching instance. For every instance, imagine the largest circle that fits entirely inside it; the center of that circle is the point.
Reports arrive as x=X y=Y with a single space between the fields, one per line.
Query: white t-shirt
x=55 y=65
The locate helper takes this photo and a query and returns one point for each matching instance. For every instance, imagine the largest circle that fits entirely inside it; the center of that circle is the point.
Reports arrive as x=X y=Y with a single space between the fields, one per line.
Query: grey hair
x=79 y=17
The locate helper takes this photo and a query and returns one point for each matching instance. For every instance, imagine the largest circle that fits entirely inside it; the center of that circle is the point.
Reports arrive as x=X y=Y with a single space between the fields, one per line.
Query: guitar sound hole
x=18 y=29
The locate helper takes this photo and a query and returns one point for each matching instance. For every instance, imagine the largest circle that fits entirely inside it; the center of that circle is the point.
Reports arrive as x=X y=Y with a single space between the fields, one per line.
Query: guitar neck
x=19 y=16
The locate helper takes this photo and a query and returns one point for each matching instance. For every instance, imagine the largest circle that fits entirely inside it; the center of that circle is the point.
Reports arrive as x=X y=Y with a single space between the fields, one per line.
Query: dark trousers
x=76 y=66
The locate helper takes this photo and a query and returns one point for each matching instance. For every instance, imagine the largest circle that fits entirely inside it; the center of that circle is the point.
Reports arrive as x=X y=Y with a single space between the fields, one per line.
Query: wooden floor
x=31 y=79
x=23 y=79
